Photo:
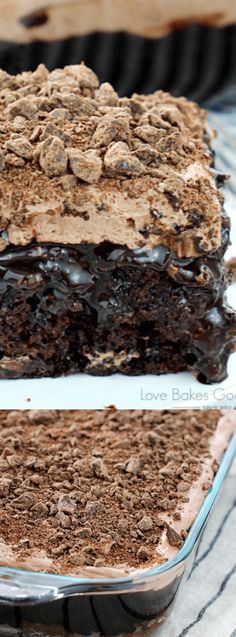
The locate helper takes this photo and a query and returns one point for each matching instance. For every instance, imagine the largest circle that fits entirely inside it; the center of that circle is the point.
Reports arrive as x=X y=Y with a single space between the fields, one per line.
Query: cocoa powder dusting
x=87 y=488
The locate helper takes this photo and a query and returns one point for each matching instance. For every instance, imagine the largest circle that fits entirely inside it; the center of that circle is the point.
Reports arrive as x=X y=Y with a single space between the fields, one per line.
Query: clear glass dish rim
x=64 y=585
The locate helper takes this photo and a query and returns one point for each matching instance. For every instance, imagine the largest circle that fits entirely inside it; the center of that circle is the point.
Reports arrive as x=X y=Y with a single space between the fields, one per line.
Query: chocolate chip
x=6 y=485
x=173 y=537
x=84 y=533
x=20 y=146
x=147 y=133
x=87 y=166
x=174 y=199
x=23 y=106
x=94 y=507
x=145 y=232
x=178 y=229
x=2 y=161
x=133 y=466
x=206 y=485
x=195 y=217
x=40 y=510
x=53 y=157
x=65 y=504
x=143 y=554
x=118 y=159
x=63 y=520
x=99 y=468
x=34 y=19
x=145 y=524
x=83 y=214
x=112 y=127
x=220 y=177
x=68 y=182
x=13 y=460
x=152 y=438
x=13 y=160
x=42 y=416
x=25 y=501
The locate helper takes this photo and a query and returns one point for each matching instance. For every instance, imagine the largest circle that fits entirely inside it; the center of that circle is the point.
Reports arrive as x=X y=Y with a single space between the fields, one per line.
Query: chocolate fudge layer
x=112 y=232
x=83 y=491
x=24 y=21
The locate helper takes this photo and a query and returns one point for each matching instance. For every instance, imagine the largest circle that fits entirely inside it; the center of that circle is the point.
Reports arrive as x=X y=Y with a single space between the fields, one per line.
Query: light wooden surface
x=207 y=607
x=64 y=18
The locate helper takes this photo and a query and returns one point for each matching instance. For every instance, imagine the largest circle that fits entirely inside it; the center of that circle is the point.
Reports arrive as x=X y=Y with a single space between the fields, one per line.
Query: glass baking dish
x=43 y=605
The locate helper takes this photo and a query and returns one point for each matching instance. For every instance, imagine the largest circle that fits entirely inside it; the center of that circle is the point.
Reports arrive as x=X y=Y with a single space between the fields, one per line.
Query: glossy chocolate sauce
x=80 y=267
x=105 y=308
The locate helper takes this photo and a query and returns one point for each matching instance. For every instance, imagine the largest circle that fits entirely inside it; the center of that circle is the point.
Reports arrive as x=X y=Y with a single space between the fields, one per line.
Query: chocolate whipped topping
x=93 y=492
x=79 y=164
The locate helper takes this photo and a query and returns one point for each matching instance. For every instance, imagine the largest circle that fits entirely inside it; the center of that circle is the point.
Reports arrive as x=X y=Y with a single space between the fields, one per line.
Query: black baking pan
x=198 y=61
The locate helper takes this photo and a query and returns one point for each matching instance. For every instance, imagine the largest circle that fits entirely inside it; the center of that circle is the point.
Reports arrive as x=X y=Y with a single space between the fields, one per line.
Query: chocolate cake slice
x=24 y=21
x=113 y=232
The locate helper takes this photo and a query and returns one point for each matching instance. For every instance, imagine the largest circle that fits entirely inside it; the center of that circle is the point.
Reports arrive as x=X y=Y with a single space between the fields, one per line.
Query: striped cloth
x=206 y=603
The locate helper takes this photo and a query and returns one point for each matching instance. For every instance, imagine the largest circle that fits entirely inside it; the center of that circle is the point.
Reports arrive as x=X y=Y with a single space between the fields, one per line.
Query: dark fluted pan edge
x=198 y=62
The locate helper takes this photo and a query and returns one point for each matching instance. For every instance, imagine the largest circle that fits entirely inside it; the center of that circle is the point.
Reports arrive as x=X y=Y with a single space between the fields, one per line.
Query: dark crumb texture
x=91 y=488
x=103 y=309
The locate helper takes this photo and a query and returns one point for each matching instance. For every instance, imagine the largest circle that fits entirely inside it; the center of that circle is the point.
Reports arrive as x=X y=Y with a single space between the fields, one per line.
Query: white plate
x=143 y=392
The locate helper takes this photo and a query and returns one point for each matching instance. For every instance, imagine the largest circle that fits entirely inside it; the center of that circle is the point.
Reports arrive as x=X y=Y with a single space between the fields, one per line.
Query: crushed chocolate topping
x=87 y=488
x=127 y=156
x=52 y=156
x=86 y=166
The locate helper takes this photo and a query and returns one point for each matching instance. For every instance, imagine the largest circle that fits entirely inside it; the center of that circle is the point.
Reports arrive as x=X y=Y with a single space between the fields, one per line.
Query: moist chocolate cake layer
x=112 y=232
x=103 y=309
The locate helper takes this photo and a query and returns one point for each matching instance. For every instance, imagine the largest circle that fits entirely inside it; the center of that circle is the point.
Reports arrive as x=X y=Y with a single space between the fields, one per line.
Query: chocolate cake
x=113 y=232
x=104 y=493
x=23 y=21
